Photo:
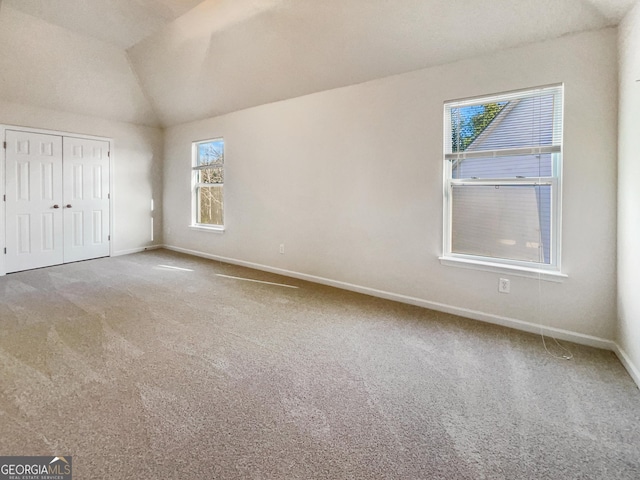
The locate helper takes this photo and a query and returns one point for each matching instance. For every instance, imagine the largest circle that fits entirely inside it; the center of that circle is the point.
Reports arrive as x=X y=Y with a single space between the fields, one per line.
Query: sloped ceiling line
x=292 y=48
x=175 y=61
x=122 y=23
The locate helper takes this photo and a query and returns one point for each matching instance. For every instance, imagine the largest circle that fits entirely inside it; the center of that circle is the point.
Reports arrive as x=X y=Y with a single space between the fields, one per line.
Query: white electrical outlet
x=282 y=249
x=504 y=285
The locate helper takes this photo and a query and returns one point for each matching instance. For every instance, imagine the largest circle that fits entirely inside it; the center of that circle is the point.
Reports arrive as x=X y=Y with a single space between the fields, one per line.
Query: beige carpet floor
x=160 y=366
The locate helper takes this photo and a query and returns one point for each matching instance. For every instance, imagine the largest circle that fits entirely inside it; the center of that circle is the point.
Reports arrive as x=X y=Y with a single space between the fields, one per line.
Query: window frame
x=521 y=267
x=196 y=185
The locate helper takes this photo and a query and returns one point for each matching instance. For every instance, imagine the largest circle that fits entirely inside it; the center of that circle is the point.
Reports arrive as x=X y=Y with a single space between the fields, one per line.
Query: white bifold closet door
x=57 y=200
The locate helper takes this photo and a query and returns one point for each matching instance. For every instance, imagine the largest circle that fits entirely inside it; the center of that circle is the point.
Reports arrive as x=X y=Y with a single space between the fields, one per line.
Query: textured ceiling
x=614 y=10
x=119 y=22
x=196 y=59
x=201 y=65
x=48 y=66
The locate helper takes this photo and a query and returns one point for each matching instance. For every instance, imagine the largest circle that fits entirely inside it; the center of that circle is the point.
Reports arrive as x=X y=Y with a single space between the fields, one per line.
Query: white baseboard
x=136 y=250
x=558 y=333
x=628 y=364
x=529 y=327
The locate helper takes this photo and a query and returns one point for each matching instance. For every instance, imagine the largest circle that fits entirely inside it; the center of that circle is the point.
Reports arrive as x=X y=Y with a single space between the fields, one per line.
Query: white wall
x=350 y=180
x=629 y=192
x=136 y=156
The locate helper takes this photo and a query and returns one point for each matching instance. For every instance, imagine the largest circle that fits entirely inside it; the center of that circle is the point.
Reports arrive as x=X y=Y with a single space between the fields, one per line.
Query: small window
x=503 y=164
x=208 y=183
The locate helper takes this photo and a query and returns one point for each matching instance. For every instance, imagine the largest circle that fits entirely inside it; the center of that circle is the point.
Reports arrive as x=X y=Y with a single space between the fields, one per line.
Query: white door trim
x=3 y=165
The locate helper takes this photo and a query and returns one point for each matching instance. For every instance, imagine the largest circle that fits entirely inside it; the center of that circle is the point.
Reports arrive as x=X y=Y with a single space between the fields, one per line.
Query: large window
x=208 y=183
x=503 y=164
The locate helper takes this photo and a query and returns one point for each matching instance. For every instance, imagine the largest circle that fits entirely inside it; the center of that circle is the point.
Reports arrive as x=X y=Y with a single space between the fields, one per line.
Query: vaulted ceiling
x=120 y=22
x=164 y=62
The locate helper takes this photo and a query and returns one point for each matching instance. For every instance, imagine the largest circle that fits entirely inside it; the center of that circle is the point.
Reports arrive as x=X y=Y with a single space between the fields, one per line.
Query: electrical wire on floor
x=567 y=355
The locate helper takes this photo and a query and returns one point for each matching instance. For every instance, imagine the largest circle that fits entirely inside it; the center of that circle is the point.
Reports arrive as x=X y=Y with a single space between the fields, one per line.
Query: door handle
x=56 y=206
x=69 y=205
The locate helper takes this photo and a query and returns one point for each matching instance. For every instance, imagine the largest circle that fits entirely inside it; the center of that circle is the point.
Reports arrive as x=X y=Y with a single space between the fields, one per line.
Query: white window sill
x=207 y=228
x=547 y=275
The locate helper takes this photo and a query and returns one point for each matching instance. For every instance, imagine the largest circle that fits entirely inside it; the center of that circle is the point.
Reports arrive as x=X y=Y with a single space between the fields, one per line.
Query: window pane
x=509 y=222
x=211 y=175
x=210 y=152
x=503 y=167
x=468 y=122
x=210 y=205
x=519 y=122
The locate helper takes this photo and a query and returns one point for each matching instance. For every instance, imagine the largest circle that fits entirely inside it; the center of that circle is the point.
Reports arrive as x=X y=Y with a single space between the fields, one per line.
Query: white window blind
x=503 y=158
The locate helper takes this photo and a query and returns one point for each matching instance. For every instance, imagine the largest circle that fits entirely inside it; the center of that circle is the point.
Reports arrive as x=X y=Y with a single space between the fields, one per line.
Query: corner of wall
x=628 y=231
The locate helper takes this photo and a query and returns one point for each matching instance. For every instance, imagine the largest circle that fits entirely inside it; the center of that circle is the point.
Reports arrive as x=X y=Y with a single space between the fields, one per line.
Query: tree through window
x=208 y=174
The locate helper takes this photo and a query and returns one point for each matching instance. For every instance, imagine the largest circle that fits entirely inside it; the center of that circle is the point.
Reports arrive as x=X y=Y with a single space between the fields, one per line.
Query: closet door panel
x=86 y=199
x=34 y=214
